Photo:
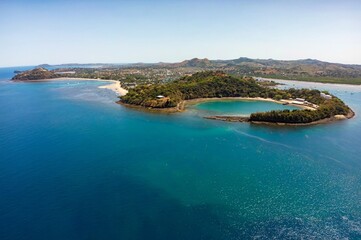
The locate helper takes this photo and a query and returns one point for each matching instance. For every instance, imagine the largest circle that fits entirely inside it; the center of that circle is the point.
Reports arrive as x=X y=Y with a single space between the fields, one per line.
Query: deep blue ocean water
x=75 y=165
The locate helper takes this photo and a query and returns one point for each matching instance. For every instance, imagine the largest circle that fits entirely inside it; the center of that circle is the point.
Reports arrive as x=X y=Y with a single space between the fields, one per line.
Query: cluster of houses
x=302 y=101
x=299 y=101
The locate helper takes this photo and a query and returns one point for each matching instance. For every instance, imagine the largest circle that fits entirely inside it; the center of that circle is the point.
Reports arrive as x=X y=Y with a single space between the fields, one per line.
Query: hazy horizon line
x=170 y=62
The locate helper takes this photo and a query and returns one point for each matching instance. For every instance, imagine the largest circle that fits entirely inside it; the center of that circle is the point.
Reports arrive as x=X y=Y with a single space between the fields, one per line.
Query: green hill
x=35 y=74
x=200 y=85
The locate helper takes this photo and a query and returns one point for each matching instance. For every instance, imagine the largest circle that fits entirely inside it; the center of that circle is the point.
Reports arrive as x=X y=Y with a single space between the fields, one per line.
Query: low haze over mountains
x=305 y=69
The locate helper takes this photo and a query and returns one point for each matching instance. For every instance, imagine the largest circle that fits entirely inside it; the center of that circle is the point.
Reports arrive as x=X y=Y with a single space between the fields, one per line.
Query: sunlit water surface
x=75 y=165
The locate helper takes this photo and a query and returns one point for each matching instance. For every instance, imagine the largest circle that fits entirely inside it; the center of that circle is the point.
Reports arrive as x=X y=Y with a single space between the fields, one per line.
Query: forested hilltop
x=211 y=84
x=36 y=74
x=200 y=85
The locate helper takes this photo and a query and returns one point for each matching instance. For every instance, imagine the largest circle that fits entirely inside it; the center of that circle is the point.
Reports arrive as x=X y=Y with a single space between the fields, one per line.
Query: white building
x=298 y=102
x=326 y=96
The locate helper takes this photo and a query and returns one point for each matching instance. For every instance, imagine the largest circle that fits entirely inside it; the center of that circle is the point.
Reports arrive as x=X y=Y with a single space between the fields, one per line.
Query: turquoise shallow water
x=237 y=107
x=74 y=165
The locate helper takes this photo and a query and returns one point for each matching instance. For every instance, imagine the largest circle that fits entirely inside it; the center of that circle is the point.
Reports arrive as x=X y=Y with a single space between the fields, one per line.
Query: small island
x=317 y=106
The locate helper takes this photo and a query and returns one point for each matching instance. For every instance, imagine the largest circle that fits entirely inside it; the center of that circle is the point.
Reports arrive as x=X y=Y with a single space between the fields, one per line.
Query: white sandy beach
x=116 y=87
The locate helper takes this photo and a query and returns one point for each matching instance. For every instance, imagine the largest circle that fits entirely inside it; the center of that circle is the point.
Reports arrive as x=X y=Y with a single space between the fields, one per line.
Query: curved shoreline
x=183 y=104
x=114 y=86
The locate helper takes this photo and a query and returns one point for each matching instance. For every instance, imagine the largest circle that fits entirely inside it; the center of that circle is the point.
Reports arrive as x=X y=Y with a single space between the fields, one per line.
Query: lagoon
x=238 y=107
x=75 y=165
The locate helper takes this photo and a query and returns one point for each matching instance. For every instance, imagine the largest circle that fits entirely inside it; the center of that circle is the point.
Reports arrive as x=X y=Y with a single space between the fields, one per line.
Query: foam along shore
x=114 y=86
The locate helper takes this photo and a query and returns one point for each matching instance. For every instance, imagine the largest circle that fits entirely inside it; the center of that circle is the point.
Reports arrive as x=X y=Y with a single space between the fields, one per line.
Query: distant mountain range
x=304 y=69
x=244 y=65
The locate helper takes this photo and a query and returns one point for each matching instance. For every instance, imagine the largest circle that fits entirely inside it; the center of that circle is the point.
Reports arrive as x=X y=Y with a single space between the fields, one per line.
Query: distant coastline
x=115 y=85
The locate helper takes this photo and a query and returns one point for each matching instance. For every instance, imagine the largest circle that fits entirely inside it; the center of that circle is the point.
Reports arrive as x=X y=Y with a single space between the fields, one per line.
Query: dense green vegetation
x=211 y=84
x=146 y=96
x=200 y=85
x=35 y=74
x=327 y=109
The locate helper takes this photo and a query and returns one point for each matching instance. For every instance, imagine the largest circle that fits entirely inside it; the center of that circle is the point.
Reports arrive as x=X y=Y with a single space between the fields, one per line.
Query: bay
x=75 y=165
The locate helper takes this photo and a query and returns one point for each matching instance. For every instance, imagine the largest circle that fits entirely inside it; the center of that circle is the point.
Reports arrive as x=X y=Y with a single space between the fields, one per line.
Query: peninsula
x=317 y=106
x=174 y=95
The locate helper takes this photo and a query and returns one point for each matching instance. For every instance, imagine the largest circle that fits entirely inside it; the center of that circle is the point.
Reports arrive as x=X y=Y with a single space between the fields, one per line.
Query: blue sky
x=35 y=32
